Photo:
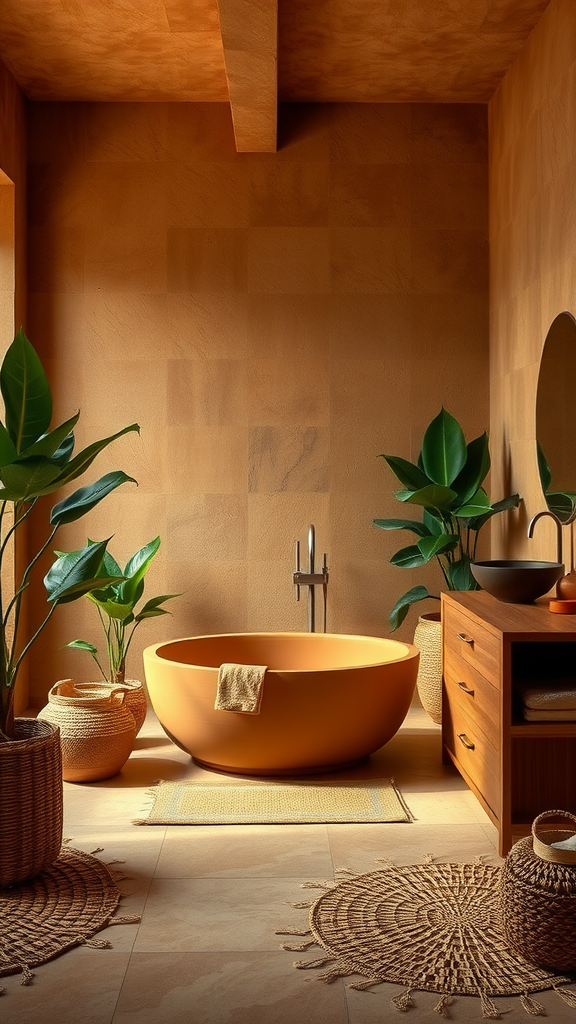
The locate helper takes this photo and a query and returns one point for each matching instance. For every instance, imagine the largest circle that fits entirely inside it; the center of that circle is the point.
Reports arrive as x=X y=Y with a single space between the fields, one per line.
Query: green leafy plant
x=446 y=483
x=116 y=603
x=35 y=461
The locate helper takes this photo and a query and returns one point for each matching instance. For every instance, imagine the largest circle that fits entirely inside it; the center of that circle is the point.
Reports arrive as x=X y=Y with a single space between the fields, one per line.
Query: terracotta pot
x=30 y=801
x=428 y=640
x=97 y=729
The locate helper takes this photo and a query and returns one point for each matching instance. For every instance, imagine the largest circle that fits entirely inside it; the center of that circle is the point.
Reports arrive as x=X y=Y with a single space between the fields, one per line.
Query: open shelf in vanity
x=490 y=651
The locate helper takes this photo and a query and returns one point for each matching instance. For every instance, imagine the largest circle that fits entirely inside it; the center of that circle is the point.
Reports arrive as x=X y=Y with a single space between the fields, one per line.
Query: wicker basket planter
x=97 y=729
x=30 y=801
x=428 y=640
x=538 y=896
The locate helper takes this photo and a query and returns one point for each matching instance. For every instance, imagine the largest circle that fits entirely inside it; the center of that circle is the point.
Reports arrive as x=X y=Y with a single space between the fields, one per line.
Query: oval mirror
x=555 y=431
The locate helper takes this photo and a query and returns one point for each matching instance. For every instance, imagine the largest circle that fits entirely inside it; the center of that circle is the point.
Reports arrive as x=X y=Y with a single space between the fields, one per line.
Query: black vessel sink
x=516 y=581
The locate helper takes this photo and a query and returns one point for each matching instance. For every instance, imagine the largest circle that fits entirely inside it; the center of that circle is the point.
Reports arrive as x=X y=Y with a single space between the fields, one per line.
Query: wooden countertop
x=516 y=621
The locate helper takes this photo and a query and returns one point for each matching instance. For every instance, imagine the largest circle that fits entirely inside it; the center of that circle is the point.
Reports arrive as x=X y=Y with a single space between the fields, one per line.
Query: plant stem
x=14 y=670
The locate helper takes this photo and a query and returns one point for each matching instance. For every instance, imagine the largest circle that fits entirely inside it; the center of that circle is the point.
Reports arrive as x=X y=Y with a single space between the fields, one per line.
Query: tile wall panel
x=533 y=256
x=274 y=322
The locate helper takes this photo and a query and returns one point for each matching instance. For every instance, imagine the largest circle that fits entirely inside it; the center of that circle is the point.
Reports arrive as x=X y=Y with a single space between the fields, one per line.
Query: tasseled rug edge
x=117 y=875
x=402 y=1001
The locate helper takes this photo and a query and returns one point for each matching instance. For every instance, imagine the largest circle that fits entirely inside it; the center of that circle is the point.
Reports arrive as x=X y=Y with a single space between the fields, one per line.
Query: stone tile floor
x=211 y=898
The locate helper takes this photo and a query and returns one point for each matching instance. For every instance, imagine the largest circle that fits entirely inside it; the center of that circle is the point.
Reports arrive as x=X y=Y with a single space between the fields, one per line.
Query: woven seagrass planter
x=428 y=640
x=97 y=729
x=30 y=801
x=538 y=896
x=134 y=697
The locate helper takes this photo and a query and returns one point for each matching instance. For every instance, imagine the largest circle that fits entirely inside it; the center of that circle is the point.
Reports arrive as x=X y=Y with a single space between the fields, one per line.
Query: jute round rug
x=431 y=927
x=61 y=908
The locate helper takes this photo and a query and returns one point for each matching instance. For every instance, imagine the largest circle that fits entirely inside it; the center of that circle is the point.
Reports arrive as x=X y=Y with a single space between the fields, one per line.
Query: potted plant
x=446 y=483
x=36 y=461
x=116 y=605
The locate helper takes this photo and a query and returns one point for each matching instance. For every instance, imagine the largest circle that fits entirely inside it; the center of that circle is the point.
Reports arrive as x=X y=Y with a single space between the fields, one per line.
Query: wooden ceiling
x=253 y=52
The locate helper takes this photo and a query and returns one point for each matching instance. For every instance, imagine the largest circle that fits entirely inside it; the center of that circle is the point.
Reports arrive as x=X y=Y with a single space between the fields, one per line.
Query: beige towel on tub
x=240 y=688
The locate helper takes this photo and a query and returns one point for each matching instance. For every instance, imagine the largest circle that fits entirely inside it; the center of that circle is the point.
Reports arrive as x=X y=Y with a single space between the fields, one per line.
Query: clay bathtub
x=328 y=700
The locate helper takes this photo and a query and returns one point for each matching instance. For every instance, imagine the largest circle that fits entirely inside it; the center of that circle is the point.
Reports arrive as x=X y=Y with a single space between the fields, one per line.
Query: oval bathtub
x=328 y=700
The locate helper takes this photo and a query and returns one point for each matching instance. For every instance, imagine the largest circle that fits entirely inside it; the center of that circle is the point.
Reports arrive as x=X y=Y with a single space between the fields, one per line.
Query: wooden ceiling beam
x=250 y=40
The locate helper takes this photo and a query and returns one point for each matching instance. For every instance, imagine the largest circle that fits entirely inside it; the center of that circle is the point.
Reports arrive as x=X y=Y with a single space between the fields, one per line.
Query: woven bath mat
x=431 y=927
x=278 y=803
x=61 y=908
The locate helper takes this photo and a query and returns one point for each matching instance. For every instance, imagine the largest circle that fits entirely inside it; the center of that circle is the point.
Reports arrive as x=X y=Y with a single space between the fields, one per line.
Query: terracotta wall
x=12 y=257
x=533 y=254
x=13 y=165
x=273 y=322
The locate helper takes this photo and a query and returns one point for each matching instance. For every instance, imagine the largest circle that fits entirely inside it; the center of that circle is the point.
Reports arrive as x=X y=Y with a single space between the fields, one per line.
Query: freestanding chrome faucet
x=553 y=516
x=311 y=579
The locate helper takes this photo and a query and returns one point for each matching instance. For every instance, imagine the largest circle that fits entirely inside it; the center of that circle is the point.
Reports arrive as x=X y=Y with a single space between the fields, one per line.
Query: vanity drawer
x=474 y=752
x=472 y=642
x=473 y=693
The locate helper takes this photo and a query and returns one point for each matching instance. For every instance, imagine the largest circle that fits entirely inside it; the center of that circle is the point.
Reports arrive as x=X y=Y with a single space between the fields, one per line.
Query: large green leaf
x=8 y=451
x=408 y=474
x=543 y=468
x=433 y=496
x=402 y=524
x=108 y=568
x=76 y=573
x=26 y=393
x=474 y=470
x=443 y=449
x=562 y=504
x=136 y=569
x=27 y=479
x=64 y=452
x=432 y=546
x=512 y=501
x=409 y=558
x=81 y=462
x=106 y=600
x=152 y=607
x=404 y=603
x=83 y=645
x=433 y=521
x=85 y=499
x=459 y=575
x=478 y=505
x=51 y=442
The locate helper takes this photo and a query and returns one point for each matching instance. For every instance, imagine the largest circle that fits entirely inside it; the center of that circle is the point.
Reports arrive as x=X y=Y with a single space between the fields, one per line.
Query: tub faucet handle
x=296 y=572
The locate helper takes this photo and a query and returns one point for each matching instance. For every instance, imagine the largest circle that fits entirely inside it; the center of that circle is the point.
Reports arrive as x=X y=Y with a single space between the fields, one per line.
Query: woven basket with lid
x=538 y=894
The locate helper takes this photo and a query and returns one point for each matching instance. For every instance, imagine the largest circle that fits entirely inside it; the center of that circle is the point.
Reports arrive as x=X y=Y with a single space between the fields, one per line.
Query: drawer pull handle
x=465 y=638
x=466 y=689
x=465 y=741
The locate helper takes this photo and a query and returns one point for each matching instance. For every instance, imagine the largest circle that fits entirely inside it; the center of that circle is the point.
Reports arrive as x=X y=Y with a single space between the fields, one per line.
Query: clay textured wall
x=273 y=322
x=532 y=256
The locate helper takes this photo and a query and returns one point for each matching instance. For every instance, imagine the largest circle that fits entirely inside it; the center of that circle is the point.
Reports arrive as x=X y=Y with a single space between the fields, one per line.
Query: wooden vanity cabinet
x=490 y=650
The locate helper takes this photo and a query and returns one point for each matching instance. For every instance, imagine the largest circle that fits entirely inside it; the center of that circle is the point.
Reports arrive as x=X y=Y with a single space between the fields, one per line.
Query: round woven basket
x=428 y=640
x=538 y=896
x=97 y=729
x=30 y=801
x=134 y=696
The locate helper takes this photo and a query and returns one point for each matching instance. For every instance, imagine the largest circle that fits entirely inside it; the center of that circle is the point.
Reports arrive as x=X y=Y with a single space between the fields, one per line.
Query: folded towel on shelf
x=548 y=698
x=542 y=715
x=240 y=688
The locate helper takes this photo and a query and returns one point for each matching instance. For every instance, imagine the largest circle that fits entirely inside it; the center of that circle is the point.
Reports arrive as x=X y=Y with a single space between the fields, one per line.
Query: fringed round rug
x=431 y=927
x=61 y=908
